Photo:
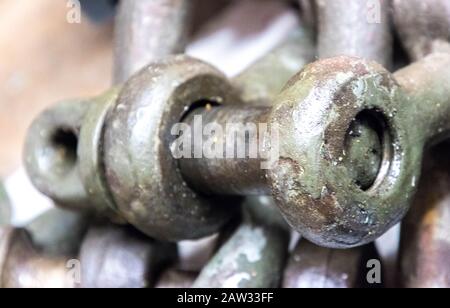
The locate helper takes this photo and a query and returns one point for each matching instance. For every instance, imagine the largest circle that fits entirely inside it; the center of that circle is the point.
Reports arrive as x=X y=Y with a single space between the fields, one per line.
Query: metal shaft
x=253 y=256
x=232 y=168
x=230 y=174
x=258 y=85
x=264 y=79
x=423 y=28
x=147 y=30
x=354 y=28
x=429 y=97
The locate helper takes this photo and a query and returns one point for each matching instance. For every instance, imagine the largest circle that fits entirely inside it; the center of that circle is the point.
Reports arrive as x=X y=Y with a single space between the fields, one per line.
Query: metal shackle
x=64 y=155
x=312 y=182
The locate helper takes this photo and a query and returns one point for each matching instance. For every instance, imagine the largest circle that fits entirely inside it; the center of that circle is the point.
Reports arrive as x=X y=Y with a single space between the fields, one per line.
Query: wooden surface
x=44 y=59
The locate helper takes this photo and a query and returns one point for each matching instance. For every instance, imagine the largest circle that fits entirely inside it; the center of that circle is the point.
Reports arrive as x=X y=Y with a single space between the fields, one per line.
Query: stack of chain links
x=337 y=135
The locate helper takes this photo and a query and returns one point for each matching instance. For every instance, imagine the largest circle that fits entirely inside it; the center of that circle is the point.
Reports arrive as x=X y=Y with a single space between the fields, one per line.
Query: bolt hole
x=64 y=144
x=368 y=148
x=198 y=105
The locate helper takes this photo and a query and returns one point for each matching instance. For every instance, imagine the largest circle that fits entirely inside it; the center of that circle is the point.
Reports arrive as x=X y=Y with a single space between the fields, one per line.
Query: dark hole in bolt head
x=364 y=144
x=64 y=142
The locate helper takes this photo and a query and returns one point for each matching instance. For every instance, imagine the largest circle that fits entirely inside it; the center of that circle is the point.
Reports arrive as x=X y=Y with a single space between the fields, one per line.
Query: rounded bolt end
x=325 y=185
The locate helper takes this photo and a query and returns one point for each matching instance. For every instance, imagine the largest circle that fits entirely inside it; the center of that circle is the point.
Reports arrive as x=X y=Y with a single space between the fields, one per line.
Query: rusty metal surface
x=216 y=175
x=347 y=215
x=61 y=155
x=143 y=176
x=253 y=257
x=426 y=84
x=423 y=28
x=147 y=30
x=315 y=165
x=90 y=155
x=353 y=138
x=50 y=154
x=362 y=190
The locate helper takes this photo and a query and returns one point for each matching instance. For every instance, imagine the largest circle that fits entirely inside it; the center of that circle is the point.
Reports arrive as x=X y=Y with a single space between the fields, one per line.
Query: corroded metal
x=311 y=266
x=50 y=154
x=147 y=30
x=90 y=155
x=62 y=152
x=253 y=257
x=316 y=184
x=94 y=150
x=173 y=278
x=5 y=207
x=143 y=177
x=265 y=78
x=423 y=26
x=364 y=150
x=22 y=266
x=311 y=182
x=58 y=232
x=425 y=241
x=121 y=257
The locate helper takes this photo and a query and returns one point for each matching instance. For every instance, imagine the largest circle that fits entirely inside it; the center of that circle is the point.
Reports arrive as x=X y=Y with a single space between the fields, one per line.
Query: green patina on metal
x=254 y=256
x=50 y=154
x=263 y=80
x=350 y=151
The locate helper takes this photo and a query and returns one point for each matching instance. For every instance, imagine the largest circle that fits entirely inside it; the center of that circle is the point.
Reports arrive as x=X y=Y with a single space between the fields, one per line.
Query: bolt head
x=313 y=182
